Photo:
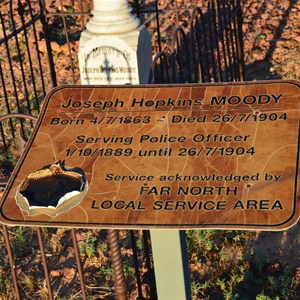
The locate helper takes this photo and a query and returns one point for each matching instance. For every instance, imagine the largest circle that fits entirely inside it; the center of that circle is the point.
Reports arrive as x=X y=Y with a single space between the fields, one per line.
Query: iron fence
x=205 y=48
x=192 y=41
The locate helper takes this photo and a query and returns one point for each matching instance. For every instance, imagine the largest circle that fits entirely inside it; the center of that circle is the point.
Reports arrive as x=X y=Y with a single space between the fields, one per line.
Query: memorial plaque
x=161 y=156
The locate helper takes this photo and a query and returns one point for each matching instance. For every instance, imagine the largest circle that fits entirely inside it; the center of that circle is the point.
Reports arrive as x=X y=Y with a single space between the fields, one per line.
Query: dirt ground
x=272 y=39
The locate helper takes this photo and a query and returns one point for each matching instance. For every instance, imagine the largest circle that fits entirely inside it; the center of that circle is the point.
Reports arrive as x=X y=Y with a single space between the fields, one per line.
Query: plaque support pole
x=171 y=264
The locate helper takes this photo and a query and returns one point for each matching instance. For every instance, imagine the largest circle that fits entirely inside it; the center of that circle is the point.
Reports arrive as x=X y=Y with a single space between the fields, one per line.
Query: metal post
x=171 y=264
x=116 y=260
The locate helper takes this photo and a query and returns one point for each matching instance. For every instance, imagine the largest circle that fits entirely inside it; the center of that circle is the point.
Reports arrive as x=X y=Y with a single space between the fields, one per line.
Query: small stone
x=55 y=273
x=55 y=47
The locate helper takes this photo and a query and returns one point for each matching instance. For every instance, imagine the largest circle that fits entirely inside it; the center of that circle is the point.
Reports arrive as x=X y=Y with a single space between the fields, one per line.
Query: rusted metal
x=151 y=276
x=49 y=52
x=24 y=85
x=11 y=261
x=158 y=26
x=4 y=82
x=240 y=60
x=18 y=46
x=21 y=14
x=18 y=115
x=136 y=265
x=116 y=260
x=160 y=68
x=180 y=56
x=213 y=41
x=199 y=45
x=71 y=63
x=79 y=265
x=21 y=138
x=46 y=271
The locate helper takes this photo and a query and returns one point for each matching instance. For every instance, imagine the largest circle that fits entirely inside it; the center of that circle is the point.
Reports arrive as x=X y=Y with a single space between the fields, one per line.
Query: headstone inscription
x=182 y=156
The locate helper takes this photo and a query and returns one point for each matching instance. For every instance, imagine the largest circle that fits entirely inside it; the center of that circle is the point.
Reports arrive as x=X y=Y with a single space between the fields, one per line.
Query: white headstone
x=115 y=48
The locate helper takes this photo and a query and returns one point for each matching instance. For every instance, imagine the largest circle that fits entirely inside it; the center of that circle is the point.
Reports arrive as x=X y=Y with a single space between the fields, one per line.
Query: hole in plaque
x=52 y=189
x=257 y=112
x=249 y=185
x=162 y=118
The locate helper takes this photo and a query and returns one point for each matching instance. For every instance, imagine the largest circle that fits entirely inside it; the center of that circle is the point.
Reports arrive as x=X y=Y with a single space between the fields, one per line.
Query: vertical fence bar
x=195 y=49
x=37 y=52
x=215 y=42
x=9 y=60
x=227 y=32
x=81 y=13
x=48 y=43
x=21 y=64
x=221 y=27
x=11 y=261
x=201 y=40
x=46 y=271
x=21 y=12
x=180 y=55
x=67 y=41
x=176 y=13
x=211 y=43
x=232 y=44
x=240 y=48
x=227 y=28
x=146 y=238
x=158 y=26
x=7 y=108
x=79 y=266
x=3 y=137
x=136 y=265
x=236 y=41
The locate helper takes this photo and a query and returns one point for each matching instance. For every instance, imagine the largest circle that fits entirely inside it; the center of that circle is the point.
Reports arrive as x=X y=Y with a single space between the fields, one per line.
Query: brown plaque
x=153 y=156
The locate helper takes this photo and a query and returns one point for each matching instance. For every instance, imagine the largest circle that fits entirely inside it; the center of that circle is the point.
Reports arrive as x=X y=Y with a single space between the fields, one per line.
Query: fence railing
x=207 y=49
x=192 y=41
